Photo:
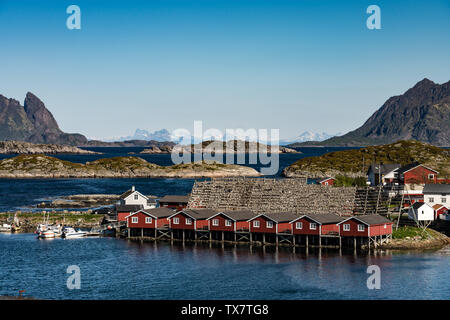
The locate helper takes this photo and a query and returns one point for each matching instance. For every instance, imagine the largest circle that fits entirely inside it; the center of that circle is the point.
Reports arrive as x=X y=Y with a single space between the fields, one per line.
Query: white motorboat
x=46 y=234
x=69 y=232
x=6 y=228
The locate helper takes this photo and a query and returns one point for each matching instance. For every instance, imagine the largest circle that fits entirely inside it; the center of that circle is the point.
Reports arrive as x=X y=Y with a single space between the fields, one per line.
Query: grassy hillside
x=356 y=162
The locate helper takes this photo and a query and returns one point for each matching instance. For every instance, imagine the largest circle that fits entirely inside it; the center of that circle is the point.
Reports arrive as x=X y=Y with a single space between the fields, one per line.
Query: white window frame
x=188 y=221
x=176 y=220
x=346 y=227
x=299 y=225
x=134 y=219
x=256 y=224
x=215 y=222
x=385 y=226
x=313 y=226
x=136 y=197
x=269 y=224
x=228 y=223
x=361 y=228
x=430 y=176
x=431 y=199
x=148 y=220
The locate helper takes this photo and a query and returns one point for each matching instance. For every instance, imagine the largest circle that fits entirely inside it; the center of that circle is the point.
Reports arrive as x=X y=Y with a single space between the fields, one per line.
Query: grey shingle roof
x=436 y=188
x=200 y=213
x=384 y=168
x=240 y=215
x=282 y=216
x=174 y=199
x=326 y=218
x=128 y=207
x=160 y=212
x=373 y=219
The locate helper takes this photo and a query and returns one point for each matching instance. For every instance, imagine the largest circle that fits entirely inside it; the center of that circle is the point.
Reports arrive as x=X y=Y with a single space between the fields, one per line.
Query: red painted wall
x=182 y=223
x=419 y=175
x=122 y=215
x=305 y=228
x=284 y=227
x=221 y=227
x=442 y=210
x=378 y=230
x=262 y=225
x=242 y=226
x=162 y=222
x=330 y=182
x=141 y=221
x=202 y=224
x=330 y=228
x=353 y=229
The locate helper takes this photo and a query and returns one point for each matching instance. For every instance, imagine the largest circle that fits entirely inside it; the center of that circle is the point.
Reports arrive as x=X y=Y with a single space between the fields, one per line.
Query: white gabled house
x=134 y=197
x=420 y=211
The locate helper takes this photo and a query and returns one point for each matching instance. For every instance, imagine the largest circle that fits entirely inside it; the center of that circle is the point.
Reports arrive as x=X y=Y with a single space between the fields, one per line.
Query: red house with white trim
x=274 y=223
x=327 y=181
x=230 y=220
x=365 y=226
x=191 y=219
x=416 y=173
x=316 y=224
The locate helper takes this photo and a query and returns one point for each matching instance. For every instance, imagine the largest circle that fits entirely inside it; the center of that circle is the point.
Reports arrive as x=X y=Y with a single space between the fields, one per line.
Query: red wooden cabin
x=439 y=209
x=191 y=219
x=416 y=173
x=174 y=202
x=149 y=219
x=278 y=222
x=316 y=224
x=365 y=226
x=327 y=181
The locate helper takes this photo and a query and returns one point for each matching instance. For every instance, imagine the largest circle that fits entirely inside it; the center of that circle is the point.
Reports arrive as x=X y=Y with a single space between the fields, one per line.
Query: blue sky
x=292 y=65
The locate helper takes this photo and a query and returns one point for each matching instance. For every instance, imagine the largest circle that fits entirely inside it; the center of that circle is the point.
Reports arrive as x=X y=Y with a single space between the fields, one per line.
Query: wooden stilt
x=307 y=241
x=142 y=232
x=264 y=239
x=223 y=236
x=183 y=235
x=128 y=232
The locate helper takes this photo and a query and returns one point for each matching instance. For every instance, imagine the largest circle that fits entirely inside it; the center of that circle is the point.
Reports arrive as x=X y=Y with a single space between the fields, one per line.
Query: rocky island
x=41 y=166
x=354 y=163
x=20 y=147
x=213 y=146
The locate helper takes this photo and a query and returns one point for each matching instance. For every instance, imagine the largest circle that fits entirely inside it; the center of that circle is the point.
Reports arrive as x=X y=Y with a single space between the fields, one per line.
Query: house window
x=430 y=199
x=255 y=223
x=346 y=227
x=148 y=220
x=385 y=226
x=188 y=221
x=361 y=227
x=326 y=183
x=269 y=224
x=431 y=176
x=444 y=200
x=136 y=196
x=313 y=226
x=215 y=222
x=176 y=220
x=134 y=220
x=298 y=225
x=228 y=223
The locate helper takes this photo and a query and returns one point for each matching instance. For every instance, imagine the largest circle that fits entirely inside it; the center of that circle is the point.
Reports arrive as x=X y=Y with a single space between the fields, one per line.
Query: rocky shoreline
x=19 y=147
x=41 y=166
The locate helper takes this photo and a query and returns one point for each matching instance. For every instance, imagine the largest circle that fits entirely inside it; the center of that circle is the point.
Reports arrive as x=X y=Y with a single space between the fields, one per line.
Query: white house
x=134 y=197
x=437 y=194
x=420 y=211
x=382 y=173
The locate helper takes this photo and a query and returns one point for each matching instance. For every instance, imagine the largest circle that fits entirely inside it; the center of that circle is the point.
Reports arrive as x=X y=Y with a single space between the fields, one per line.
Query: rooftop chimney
x=132 y=188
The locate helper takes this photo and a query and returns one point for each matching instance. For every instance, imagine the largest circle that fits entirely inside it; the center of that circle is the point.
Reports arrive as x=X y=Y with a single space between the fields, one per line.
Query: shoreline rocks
x=41 y=166
x=19 y=147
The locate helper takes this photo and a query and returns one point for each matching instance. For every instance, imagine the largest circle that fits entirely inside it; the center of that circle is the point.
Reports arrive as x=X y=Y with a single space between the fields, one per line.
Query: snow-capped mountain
x=308 y=136
x=141 y=134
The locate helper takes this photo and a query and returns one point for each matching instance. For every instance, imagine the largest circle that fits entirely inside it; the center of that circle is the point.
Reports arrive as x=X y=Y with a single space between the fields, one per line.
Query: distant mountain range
x=32 y=122
x=422 y=113
x=140 y=134
x=308 y=136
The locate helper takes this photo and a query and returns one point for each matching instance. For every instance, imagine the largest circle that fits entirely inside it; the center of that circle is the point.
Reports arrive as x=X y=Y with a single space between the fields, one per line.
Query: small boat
x=6 y=228
x=46 y=234
x=69 y=232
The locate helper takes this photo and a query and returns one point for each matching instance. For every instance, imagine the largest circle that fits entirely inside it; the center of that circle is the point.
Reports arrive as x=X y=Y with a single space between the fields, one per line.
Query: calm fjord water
x=120 y=269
